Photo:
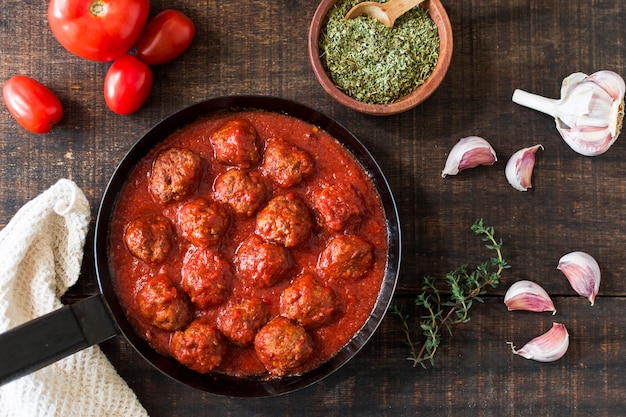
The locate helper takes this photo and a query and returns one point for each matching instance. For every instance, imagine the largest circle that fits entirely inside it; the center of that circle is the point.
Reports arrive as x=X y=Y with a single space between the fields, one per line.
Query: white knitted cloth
x=42 y=250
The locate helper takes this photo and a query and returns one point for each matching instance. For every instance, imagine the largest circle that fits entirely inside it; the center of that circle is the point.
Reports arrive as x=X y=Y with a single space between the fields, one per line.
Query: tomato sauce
x=333 y=163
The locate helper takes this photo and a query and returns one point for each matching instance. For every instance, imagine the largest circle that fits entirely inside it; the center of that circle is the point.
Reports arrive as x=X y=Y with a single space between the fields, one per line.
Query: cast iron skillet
x=43 y=341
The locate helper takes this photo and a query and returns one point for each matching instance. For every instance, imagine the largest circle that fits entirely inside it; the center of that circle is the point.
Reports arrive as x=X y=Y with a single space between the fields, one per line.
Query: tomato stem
x=97 y=8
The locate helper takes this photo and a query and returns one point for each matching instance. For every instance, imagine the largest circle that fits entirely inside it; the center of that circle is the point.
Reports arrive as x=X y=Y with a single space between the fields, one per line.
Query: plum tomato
x=98 y=30
x=165 y=37
x=31 y=103
x=127 y=85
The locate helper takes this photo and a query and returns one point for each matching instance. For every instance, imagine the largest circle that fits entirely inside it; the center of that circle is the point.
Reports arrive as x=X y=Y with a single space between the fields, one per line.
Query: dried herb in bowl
x=372 y=63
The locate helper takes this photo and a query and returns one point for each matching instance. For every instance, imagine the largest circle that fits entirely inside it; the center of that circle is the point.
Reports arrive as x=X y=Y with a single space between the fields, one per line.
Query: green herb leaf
x=465 y=287
x=372 y=63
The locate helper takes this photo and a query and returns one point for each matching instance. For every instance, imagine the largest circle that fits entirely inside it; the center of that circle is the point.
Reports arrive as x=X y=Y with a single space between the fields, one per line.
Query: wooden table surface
x=260 y=47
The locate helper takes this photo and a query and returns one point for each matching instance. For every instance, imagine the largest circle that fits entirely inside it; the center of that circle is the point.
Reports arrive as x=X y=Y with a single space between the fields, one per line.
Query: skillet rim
x=221 y=384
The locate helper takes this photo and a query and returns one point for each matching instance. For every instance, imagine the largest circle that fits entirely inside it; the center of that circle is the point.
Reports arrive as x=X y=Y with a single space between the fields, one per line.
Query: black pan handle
x=45 y=340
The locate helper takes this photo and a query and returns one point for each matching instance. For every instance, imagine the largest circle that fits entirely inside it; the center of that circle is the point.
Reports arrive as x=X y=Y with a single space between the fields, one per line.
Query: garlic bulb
x=519 y=168
x=469 y=152
x=589 y=113
x=529 y=296
x=582 y=272
x=548 y=347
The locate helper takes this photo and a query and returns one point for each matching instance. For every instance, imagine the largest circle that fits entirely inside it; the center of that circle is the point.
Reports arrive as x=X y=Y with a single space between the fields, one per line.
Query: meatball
x=175 y=174
x=149 y=238
x=161 y=305
x=239 y=321
x=286 y=164
x=348 y=257
x=203 y=222
x=282 y=345
x=199 y=347
x=243 y=191
x=337 y=206
x=308 y=302
x=285 y=220
x=235 y=143
x=206 y=277
x=261 y=263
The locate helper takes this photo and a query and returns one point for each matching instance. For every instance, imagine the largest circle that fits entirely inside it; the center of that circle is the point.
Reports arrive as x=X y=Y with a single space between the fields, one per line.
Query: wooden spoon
x=385 y=13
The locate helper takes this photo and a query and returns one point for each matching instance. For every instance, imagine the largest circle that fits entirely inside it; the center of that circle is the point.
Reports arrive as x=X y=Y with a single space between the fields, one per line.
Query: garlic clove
x=529 y=296
x=582 y=272
x=469 y=152
x=589 y=113
x=615 y=87
x=548 y=347
x=597 y=140
x=519 y=168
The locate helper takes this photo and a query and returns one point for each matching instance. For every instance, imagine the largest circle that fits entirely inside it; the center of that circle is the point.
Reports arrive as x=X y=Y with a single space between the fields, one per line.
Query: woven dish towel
x=42 y=251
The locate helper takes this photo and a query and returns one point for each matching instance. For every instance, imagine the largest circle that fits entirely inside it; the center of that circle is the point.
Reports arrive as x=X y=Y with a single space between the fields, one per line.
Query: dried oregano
x=372 y=63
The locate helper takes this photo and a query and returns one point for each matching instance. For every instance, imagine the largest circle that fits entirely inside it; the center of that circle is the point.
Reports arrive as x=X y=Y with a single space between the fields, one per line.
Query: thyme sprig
x=442 y=312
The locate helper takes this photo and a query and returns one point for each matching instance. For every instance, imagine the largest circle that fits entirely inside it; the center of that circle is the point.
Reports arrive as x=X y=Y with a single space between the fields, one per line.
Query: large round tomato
x=31 y=103
x=99 y=30
x=165 y=37
x=127 y=85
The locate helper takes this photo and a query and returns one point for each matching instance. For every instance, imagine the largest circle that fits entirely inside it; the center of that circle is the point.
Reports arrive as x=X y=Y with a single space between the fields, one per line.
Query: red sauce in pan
x=354 y=296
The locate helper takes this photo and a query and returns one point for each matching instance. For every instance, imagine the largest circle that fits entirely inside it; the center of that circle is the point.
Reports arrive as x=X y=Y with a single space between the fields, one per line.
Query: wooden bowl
x=437 y=13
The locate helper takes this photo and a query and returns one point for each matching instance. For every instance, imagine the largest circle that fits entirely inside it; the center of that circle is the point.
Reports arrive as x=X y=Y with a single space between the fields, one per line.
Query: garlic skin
x=469 y=152
x=519 y=168
x=529 y=296
x=582 y=272
x=589 y=113
x=548 y=347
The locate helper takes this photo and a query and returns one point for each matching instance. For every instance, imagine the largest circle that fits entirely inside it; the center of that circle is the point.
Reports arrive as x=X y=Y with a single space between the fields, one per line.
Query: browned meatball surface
x=240 y=320
x=348 y=257
x=236 y=143
x=337 y=206
x=243 y=191
x=203 y=222
x=308 y=302
x=200 y=347
x=261 y=263
x=175 y=174
x=206 y=276
x=282 y=345
x=161 y=305
x=286 y=164
x=285 y=220
x=149 y=238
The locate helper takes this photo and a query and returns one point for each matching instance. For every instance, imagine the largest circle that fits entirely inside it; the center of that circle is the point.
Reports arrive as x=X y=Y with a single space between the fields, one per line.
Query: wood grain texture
x=576 y=203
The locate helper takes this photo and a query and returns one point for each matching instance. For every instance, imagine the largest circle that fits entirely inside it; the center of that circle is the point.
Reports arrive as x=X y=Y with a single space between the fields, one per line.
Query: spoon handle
x=396 y=8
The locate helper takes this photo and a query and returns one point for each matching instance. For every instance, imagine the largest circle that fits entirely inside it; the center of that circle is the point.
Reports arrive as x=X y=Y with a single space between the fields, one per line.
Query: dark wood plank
x=254 y=47
x=475 y=373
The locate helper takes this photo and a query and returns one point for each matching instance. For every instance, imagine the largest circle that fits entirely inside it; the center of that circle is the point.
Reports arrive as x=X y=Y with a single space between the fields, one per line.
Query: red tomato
x=127 y=85
x=99 y=30
x=165 y=37
x=31 y=103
